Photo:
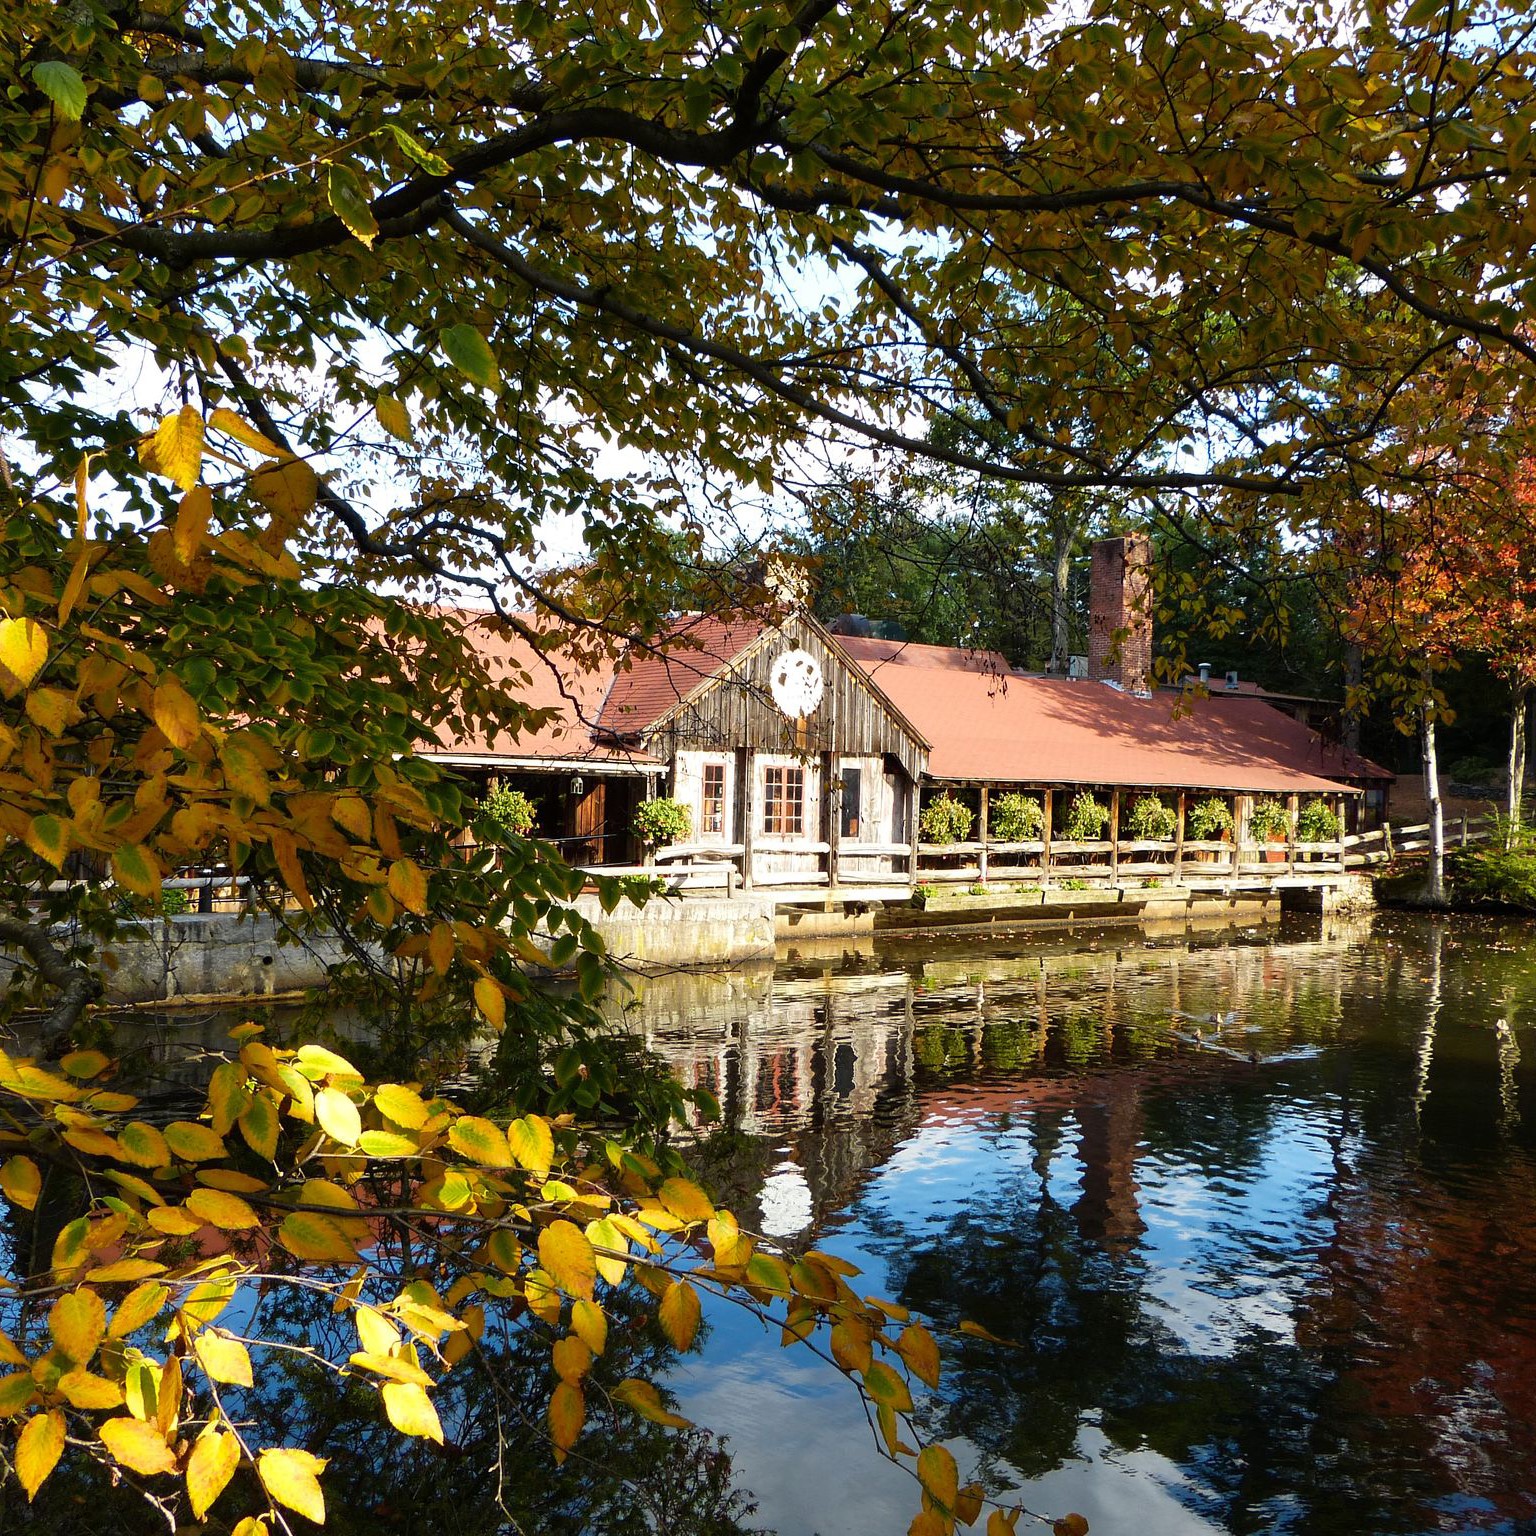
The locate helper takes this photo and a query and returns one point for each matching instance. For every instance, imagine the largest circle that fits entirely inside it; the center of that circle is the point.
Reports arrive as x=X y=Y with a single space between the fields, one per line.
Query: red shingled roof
x=649 y=683
x=554 y=682
x=1054 y=731
x=875 y=655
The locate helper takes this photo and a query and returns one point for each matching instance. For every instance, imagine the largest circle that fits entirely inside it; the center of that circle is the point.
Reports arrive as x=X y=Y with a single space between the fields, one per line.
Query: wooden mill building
x=804 y=758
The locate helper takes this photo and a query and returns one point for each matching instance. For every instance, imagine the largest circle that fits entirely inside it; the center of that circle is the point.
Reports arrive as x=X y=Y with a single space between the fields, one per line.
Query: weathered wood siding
x=737 y=710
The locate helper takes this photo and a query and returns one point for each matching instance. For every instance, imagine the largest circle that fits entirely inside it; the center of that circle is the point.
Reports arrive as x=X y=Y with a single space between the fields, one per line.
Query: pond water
x=1258 y=1212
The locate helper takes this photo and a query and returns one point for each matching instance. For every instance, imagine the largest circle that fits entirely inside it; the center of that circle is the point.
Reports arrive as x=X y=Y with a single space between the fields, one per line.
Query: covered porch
x=1248 y=852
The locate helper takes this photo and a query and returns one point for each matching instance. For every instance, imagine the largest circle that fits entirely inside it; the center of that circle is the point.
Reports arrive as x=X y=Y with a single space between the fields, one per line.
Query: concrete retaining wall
x=216 y=956
x=699 y=931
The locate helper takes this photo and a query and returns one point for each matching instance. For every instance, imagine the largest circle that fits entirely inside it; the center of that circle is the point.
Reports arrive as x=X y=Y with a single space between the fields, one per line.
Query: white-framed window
x=784 y=802
x=712 y=800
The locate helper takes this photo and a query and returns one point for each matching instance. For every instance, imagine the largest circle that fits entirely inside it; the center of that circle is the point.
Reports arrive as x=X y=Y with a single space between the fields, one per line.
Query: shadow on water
x=1260 y=1212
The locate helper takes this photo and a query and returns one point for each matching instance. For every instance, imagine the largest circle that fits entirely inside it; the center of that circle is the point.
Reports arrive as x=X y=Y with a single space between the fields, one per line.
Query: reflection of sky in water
x=1245 y=1226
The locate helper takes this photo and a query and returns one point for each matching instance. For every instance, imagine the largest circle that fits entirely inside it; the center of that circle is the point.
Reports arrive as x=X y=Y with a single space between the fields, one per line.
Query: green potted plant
x=1318 y=823
x=1270 y=822
x=1208 y=821
x=1149 y=820
x=1015 y=818
x=660 y=823
x=1086 y=818
x=945 y=820
x=506 y=813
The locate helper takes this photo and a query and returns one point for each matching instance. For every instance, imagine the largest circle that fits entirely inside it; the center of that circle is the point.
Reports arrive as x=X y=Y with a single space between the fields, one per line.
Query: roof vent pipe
x=1205 y=672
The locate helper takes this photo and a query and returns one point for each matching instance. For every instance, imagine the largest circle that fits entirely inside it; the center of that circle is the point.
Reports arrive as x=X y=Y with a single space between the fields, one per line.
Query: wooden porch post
x=1338 y=811
x=832 y=797
x=1292 y=811
x=981 y=859
x=912 y=832
x=1046 y=797
x=1178 y=841
x=1114 y=837
x=747 y=761
x=1239 y=831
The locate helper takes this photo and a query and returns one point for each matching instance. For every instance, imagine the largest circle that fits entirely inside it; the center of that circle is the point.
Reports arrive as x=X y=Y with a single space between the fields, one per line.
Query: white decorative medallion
x=796 y=684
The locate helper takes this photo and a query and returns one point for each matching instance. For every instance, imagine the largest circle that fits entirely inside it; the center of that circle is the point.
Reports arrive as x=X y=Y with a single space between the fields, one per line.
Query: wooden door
x=591 y=822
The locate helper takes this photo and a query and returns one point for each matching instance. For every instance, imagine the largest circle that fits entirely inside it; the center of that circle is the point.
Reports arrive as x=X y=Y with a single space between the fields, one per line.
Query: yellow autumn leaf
x=338 y=1116
x=51 y=708
x=291 y=1477
x=644 y=1399
x=223 y=1358
x=192 y=518
x=226 y=421
x=679 y=1314
x=375 y=1332
x=143 y=1145
x=48 y=838
x=532 y=1143
x=38 y=1450
x=287 y=488
x=83 y=1390
x=209 y=1468
x=141 y=1305
x=410 y=1410
x=567 y=1256
x=308 y=1235
x=178 y=447
x=173 y=710
x=685 y=1200
x=567 y=1413
x=402 y=1105
x=608 y=1242
x=394 y=417
x=194 y=1143
x=21 y=1181
x=408 y=885
x=571 y=1358
x=138 y=1445
x=441 y=943
x=480 y=1141
x=940 y=1477
x=78 y=1323
x=917 y=1348
x=23 y=652
x=590 y=1324
x=137 y=869
x=492 y=1003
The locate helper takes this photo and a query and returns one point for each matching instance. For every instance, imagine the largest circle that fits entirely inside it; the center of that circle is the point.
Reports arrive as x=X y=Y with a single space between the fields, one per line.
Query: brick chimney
x=1120 y=612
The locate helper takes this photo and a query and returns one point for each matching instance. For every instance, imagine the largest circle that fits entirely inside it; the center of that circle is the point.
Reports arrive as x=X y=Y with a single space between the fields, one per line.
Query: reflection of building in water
x=839 y=1065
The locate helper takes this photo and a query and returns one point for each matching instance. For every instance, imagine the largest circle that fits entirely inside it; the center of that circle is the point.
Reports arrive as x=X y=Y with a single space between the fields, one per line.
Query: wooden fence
x=1387 y=843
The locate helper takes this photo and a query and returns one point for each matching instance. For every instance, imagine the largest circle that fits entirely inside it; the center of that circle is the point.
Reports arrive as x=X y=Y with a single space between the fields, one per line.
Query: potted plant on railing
x=1150 y=821
x=1270 y=822
x=1016 y=818
x=505 y=814
x=1208 y=821
x=1086 y=818
x=945 y=820
x=1318 y=823
x=660 y=823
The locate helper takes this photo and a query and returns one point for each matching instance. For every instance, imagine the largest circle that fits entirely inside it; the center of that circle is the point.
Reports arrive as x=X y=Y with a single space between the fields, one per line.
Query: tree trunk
x=1434 y=890
x=1519 y=715
x=1062 y=539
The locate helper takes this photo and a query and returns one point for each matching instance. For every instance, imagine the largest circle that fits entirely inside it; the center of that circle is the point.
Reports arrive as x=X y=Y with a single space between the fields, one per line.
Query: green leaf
x=62 y=86
x=350 y=201
x=417 y=152
x=471 y=354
